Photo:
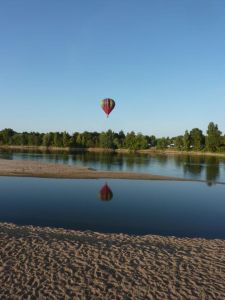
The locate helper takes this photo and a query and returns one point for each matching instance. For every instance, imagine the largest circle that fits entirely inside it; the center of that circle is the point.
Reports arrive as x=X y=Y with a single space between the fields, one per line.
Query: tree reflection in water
x=105 y=193
x=196 y=165
x=209 y=168
x=193 y=164
x=212 y=169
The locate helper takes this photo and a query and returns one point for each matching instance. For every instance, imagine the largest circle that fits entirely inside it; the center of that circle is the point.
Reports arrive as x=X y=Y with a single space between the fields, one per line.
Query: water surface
x=188 y=209
x=209 y=168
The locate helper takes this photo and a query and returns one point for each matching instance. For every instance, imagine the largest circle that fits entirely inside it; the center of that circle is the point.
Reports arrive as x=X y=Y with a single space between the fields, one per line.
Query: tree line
x=213 y=140
x=195 y=140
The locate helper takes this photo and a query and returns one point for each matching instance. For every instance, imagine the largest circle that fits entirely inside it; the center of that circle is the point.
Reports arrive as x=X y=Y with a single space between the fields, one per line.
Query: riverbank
x=151 y=151
x=35 y=169
x=43 y=263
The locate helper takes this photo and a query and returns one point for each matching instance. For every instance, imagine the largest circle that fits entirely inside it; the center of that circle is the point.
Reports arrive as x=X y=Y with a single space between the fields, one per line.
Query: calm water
x=207 y=168
x=136 y=207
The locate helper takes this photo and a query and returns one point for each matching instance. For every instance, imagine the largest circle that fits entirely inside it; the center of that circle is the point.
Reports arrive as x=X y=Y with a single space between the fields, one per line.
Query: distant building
x=171 y=145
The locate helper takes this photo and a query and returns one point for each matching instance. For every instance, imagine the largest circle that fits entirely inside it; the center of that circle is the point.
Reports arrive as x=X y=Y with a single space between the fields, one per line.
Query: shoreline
x=40 y=262
x=103 y=150
x=28 y=168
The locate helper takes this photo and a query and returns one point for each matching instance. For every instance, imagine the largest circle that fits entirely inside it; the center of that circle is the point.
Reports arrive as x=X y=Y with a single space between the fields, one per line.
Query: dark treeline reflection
x=107 y=159
x=209 y=168
x=110 y=160
x=190 y=164
x=195 y=165
x=162 y=159
x=212 y=170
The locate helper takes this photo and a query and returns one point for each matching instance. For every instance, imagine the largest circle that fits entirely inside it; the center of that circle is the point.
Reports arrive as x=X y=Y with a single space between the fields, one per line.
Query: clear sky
x=162 y=61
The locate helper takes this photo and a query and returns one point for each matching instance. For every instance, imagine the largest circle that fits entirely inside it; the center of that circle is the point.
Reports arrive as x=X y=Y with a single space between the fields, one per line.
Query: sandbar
x=27 y=168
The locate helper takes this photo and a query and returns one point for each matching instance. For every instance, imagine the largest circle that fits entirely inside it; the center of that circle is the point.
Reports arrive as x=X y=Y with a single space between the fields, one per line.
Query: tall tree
x=130 y=142
x=213 y=137
x=187 y=141
x=106 y=139
x=66 y=139
x=6 y=136
x=152 y=141
x=121 y=138
x=46 y=140
x=141 y=142
x=57 y=139
x=179 y=142
x=162 y=143
x=197 y=139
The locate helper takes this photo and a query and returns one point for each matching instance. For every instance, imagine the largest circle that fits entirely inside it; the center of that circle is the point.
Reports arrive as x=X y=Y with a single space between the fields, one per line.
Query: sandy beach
x=36 y=169
x=45 y=263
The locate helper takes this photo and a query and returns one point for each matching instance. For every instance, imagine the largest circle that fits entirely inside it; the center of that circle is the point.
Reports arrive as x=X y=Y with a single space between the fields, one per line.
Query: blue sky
x=162 y=61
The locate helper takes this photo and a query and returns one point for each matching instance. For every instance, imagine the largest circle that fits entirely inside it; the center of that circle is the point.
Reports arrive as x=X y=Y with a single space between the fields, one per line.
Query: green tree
x=213 y=137
x=222 y=144
x=6 y=136
x=197 y=139
x=152 y=141
x=24 y=138
x=74 y=139
x=116 y=142
x=179 y=142
x=94 y=139
x=162 y=143
x=16 y=139
x=32 y=138
x=57 y=139
x=84 y=139
x=46 y=140
x=130 y=142
x=79 y=140
x=119 y=139
x=106 y=139
x=141 y=142
x=90 y=139
x=66 y=139
x=187 y=141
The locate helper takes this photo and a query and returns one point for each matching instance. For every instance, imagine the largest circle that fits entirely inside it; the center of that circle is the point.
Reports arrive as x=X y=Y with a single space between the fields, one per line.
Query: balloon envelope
x=105 y=193
x=108 y=105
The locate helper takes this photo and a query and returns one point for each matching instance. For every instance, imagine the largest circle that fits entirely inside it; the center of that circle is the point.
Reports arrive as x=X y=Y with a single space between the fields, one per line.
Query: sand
x=36 y=169
x=45 y=263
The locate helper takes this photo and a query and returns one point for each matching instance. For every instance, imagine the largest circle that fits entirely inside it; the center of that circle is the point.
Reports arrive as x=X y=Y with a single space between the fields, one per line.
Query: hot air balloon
x=108 y=105
x=105 y=193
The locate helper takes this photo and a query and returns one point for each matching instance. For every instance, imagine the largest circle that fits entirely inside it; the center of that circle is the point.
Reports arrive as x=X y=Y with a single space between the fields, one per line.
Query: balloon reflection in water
x=105 y=193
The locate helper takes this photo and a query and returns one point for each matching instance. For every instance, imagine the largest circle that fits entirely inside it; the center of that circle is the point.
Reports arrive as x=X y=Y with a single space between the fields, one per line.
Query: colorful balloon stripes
x=108 y=105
